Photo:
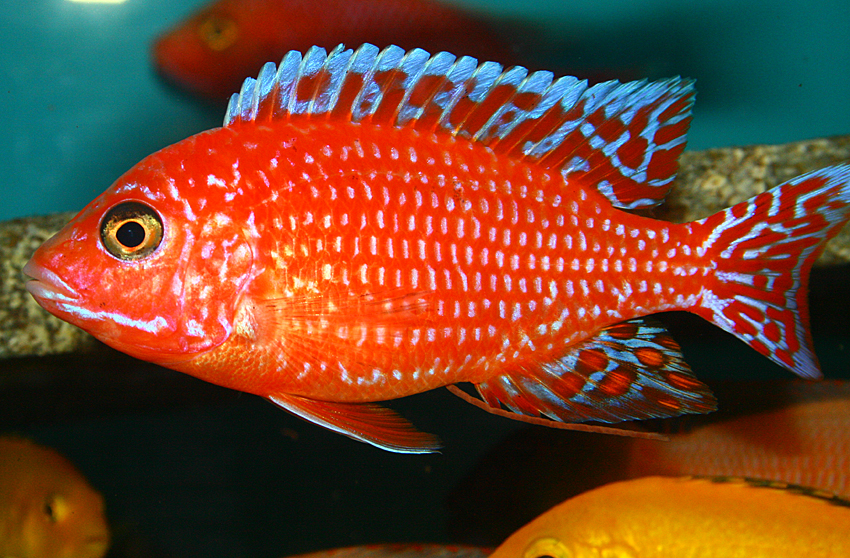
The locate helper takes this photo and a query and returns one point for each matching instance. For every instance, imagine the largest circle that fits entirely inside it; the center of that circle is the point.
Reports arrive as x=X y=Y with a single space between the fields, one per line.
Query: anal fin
x=367 y=422
x=628 y=371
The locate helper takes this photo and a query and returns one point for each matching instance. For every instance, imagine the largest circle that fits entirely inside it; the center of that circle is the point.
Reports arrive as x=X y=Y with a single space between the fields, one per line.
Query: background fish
x=373 y=224
x=678 y=517
x=212 y=51
x=788 y=431
x=47 y=508
x=402 y=551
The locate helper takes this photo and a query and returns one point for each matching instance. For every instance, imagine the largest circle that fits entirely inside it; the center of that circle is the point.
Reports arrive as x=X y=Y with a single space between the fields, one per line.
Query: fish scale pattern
x=373 y=224
x=626 y=138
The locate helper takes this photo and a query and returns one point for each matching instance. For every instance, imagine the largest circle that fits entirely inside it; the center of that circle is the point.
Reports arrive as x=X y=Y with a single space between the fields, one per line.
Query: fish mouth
x=46 y=285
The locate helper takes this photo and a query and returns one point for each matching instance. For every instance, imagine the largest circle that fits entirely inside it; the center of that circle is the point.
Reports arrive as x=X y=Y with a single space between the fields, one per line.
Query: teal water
x=207 y=472
x=82 y=103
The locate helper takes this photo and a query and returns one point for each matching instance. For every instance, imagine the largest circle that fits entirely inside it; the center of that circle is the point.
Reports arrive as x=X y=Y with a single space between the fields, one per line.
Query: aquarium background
x=191 y=470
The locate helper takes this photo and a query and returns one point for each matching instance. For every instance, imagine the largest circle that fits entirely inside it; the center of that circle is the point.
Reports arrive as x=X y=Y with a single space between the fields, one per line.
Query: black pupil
x=131 y=234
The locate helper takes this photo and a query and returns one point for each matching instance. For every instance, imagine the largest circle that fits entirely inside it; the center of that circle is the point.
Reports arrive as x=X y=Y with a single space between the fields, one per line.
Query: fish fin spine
x=763 y=250
x=366 y=422
x=622 y=138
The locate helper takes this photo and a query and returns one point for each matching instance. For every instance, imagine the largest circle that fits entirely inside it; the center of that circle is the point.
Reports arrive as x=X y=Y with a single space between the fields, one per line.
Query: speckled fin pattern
x=631 y=370
x=763 y=249
x=623 y=138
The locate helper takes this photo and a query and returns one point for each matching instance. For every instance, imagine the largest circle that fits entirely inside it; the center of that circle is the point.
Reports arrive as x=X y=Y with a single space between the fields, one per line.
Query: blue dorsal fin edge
x=637 y=129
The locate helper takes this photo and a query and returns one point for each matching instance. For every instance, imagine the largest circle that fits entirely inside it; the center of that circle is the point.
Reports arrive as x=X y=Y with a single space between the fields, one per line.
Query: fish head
x=47 y=506
x=65 y=521
x=146 y=267
x=213 y=50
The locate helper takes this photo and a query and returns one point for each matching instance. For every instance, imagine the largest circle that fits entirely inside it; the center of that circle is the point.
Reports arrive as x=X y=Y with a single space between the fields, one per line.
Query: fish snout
x=47 y=285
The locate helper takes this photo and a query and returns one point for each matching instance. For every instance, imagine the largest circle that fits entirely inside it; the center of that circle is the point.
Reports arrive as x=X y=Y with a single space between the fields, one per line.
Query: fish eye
x=131 y=231
x=55 y=508
x=218 y=32
x=547 y=547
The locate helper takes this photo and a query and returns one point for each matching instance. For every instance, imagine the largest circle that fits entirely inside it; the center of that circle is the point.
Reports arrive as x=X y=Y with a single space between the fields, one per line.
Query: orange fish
x=212 y=51
x=658 y=517
x=796 y=432
x=47 y=508
x=373 y=224
x=806 y=443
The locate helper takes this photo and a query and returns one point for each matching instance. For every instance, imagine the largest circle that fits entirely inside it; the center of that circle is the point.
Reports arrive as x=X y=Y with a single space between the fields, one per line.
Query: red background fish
x=370 y=225
x=211 y=52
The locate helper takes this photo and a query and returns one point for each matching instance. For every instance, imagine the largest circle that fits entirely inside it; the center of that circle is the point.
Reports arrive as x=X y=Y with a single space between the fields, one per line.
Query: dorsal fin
x=624 y=138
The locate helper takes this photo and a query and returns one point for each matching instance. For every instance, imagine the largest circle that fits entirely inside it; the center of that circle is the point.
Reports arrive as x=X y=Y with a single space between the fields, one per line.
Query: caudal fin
x=764 y=249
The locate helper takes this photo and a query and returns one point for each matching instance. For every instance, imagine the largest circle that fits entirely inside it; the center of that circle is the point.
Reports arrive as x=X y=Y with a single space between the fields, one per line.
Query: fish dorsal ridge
x=626 y=137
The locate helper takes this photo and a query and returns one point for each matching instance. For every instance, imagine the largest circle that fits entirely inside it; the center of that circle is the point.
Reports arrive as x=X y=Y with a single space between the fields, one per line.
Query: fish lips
x=47 y=287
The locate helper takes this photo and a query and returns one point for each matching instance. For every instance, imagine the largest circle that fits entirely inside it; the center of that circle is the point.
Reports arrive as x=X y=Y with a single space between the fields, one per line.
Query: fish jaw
x=60 y=299
x=48 y=289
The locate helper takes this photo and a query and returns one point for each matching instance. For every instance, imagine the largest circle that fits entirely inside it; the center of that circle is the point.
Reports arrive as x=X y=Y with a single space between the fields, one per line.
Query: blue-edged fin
x=629 y=371
x=366 y=422
x=622 y=138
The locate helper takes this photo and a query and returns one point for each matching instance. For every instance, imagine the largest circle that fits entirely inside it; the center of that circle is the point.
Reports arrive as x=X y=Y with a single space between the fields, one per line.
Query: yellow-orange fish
x=805 y=443
x=688 y=517
x=796 y=432
x=47 y=508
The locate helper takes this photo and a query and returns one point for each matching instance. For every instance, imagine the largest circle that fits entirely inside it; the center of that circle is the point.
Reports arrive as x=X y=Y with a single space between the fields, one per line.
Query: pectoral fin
x=367 y=422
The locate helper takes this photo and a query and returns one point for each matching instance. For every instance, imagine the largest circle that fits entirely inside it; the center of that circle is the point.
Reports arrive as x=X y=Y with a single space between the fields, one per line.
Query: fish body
x=688 y=517
x=212 y=51
x=805 y=443
x=47 y=508
x=372 y=224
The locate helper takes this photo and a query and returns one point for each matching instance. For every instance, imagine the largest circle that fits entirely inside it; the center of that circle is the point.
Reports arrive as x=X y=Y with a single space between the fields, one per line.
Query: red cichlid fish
x=372 y=224
x=212 y=51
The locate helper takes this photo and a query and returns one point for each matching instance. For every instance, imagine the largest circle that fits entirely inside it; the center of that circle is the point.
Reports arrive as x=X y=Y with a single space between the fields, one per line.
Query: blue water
x=214 y=473
x=82 y=103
